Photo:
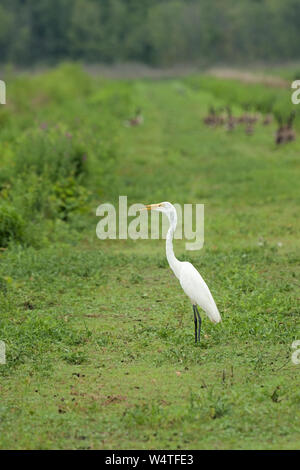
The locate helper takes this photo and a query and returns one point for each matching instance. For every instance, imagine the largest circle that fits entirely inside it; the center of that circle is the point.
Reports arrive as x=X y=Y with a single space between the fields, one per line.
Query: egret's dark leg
x=199 y=322
x=195 y=321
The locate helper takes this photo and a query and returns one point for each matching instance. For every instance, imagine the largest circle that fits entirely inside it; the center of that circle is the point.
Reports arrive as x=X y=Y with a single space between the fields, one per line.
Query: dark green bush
x=53 y=154
x=69 y=197
x=59 y=144
x=11 y=225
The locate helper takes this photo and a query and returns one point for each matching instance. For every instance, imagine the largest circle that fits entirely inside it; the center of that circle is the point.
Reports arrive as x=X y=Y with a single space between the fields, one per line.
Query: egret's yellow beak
x=149 y=207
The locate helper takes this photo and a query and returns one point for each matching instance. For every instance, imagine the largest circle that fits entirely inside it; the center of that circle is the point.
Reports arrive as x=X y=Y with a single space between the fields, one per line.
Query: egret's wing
x=196 y=289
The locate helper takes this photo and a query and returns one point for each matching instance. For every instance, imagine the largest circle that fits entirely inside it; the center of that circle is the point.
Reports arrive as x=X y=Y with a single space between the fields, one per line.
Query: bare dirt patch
x=249 y=77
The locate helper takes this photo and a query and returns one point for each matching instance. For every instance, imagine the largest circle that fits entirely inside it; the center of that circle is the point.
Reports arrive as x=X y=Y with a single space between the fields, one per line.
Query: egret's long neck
x=172 y=260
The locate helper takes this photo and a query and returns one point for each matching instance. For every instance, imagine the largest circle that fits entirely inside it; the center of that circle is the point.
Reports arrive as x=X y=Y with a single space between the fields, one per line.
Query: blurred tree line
x=157 y=32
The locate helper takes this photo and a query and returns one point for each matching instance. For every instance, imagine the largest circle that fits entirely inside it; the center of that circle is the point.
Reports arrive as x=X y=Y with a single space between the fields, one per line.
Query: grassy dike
x=100 y=347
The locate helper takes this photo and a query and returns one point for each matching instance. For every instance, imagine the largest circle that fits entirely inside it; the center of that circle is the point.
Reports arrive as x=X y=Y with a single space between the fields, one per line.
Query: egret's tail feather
x=214 y=315
x=217 y=317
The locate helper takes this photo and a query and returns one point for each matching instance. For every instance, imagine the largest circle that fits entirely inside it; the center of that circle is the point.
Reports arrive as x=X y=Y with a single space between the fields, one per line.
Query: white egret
x=190 y=279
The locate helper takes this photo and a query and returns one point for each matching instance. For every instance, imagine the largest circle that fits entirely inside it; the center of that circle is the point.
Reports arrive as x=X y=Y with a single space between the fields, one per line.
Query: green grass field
x=99 y=334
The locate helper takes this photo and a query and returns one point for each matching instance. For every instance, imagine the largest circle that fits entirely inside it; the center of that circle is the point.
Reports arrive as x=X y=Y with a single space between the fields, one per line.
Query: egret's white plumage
x=190 y=279
x=196 y=289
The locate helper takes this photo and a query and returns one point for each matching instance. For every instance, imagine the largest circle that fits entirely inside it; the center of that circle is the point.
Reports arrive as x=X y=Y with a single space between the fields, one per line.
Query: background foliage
x=150 y=31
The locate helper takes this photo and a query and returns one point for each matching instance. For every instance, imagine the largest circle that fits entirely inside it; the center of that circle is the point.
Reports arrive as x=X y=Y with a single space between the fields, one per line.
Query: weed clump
x=11 y=225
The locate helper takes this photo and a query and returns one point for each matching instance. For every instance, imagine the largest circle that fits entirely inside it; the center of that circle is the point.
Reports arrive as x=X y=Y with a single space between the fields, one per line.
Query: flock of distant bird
x=224 y=117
